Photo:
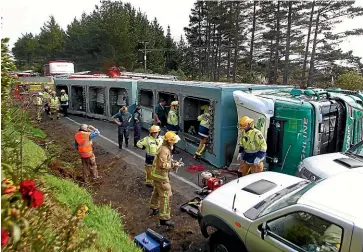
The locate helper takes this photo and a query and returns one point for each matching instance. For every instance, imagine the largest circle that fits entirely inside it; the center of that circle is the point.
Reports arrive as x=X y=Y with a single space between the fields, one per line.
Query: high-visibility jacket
x=204 y=120
x=46 y=97
x=38 y=101
x=253 y=141
x=84 y=144
x=162 y=164
x=253 y=144
x=64 y=99
x=151 y=144
x=173 y=118
x=54 y=102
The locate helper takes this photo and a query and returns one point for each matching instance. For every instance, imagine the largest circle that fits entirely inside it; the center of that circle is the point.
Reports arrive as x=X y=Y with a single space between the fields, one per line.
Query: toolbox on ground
x=151 y=241
x=191 y=207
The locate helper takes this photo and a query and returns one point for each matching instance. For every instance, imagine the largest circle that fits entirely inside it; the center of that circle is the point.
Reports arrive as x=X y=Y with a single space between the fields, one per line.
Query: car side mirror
x=263 y=230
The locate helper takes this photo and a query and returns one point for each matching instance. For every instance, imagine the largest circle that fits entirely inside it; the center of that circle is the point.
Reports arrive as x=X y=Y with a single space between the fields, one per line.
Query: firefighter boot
x=167 y=223
x=154 y=212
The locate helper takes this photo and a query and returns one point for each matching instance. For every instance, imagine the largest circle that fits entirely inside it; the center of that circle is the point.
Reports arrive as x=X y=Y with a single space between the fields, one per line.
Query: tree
x=51 y=40
x=351 y=81
x=25 y=49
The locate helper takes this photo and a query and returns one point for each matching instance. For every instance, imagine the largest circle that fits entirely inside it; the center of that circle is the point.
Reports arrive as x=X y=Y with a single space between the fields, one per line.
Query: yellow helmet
x=154 y=129
x=245 y=121
x=174 y=103
x=204 y=107
x=171 y=137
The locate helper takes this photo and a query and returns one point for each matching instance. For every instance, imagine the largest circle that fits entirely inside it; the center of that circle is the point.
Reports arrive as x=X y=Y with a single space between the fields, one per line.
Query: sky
x=21 y=16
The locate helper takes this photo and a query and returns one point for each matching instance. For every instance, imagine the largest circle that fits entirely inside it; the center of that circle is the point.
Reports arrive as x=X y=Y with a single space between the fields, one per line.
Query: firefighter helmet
x=174 y=103
x=63 y=91
x=154 y=129
x=171 y=137
x=204 y=107
x=245 y=121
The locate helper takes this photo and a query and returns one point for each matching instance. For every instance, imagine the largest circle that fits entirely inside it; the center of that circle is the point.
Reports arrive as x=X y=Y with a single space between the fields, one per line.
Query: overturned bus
x=191 y=96
x=96 y=97
x=302 y=123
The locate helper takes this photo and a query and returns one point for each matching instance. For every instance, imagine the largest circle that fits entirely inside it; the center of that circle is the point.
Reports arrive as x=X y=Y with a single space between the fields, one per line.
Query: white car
x=271 y=212
x=323 y=166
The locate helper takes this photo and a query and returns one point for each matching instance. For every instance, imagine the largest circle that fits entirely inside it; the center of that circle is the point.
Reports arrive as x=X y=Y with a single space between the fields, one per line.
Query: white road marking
x=142 y=158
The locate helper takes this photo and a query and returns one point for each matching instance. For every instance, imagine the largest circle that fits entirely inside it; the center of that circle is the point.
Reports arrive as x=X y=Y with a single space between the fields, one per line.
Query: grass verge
x=102 y=219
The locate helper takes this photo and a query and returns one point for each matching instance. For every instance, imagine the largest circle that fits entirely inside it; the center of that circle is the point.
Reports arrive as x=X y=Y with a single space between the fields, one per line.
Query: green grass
x=102 y=219
x=33 y=155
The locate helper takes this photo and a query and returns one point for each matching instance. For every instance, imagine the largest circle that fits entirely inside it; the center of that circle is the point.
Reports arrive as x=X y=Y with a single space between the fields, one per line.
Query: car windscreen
x=278 y=200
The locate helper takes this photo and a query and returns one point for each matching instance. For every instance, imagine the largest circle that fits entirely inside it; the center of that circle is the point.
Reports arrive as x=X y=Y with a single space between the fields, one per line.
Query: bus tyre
x=219 y=242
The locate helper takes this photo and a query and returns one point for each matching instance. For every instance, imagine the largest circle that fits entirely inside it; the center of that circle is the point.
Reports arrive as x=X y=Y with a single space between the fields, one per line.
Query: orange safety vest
x=84 y=144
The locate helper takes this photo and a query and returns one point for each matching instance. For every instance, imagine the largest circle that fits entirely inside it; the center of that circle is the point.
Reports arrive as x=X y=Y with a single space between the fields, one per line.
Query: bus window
x=190 y=123
x=78 y=98
x=331 y=127
x=118 y=98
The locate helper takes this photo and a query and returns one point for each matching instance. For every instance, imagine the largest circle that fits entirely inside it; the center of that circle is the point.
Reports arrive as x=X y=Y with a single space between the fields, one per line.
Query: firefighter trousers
x=246 y=168
x=54 y=112
x=160 y=199
x=39 y=109
x=148 y=170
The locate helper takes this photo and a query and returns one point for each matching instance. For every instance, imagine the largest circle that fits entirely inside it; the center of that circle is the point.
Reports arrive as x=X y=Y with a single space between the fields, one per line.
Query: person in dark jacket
x=122 y=119
x=137 y=125
x=161 y=113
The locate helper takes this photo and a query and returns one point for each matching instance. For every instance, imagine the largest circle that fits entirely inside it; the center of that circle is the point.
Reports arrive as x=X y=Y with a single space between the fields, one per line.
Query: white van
x=323 y=166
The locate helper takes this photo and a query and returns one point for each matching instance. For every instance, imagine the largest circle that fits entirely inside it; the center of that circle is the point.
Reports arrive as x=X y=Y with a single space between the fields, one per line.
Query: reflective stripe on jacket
x=173 y=118
x=84 y=144
x=204 y=120
x=151 y=144
x=38 y=101
x=64 y=99
x=253 y=141
x=54 y=102
x=46 y=97
x=162 y=164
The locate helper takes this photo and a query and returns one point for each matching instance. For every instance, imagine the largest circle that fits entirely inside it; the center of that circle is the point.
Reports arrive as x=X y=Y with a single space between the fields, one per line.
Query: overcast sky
x=21 y=16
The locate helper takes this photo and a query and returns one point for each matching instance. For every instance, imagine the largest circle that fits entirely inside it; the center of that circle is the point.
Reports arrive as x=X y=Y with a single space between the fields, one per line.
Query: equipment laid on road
x=151 y=241
x=191 y=207
x=210 y=181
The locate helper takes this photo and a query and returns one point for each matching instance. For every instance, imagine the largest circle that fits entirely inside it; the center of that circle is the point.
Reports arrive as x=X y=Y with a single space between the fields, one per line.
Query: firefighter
x=203 y=130
x=163 y=163
x=83 y=143
x=54 y=105
x=172 y=123
x=46 y=98
x=152 y=144
x=64 y=102
x=122 y=119
x=38 y=101
x=252 y=150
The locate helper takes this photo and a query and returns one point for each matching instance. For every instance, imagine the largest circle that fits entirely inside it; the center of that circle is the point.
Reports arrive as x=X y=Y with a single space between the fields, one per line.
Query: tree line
x=284 y=42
